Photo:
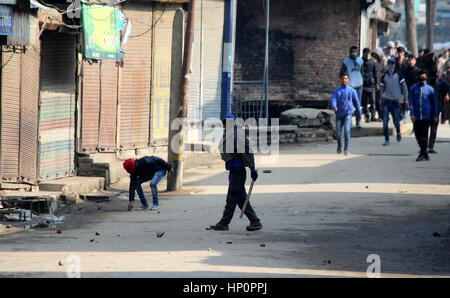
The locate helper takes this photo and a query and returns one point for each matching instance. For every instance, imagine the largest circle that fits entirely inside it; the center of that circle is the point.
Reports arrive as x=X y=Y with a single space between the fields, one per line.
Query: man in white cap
x=390 y=51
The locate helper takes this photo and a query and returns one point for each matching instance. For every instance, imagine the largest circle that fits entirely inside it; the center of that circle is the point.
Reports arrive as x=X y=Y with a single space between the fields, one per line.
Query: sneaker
x=220 y=227
x=154 y=208
x=143 y=207
x=386 y=143
x=339 y=150
x=427 y=157
x=431 y=151
x=347 y=153
x=254 y=226
x=399 y=138
x=420 y=157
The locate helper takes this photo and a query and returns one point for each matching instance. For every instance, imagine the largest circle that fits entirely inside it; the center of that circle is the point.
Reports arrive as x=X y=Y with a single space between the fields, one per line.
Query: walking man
x=352 y=66
x=393 y=92
x=148 y=168
x=423 y=109
x=443 y=90
x=344 y=101
x=236 y=163
x=381 y=69
x=370 y=83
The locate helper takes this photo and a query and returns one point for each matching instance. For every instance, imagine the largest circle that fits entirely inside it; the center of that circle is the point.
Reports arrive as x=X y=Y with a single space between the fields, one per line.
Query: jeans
x=236 y=196
x=343 y=123
x=153 y=182
x=368 y=98
x=393 y=107
x=359 y=91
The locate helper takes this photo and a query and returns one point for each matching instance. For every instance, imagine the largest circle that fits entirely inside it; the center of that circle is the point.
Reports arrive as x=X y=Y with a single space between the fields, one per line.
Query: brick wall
x=308 y=42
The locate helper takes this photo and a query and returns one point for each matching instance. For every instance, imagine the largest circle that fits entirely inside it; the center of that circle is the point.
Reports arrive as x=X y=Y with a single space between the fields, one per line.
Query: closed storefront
x=19 y=114
x=57 y=105
x=206 y=78
x=134 y=94
x=163 y=16
x=98 y=106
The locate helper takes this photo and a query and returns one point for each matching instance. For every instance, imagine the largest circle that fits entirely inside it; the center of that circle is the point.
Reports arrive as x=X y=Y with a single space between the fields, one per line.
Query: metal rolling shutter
x=30 y=68
x=163 y=16
x=57 y=105
x=135 y=79
x=212 y=43
x=194 y=93
x=10 y=115
x=99 y=102
x=19 y=115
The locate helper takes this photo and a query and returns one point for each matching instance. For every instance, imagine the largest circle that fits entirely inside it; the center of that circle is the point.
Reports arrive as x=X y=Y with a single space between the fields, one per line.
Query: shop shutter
x=194 y=93
x=212 y=43
x=28 y=158
x=57 y=105
x=99 y=103
x=10 y=115
x=19 y=115
x=134 y=88
x=163 y=16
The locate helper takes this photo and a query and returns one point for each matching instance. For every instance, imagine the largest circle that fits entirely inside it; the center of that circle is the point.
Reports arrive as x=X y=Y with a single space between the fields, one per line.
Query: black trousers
x=433 y=134
x=368 y=99
x=236 y=196
x=421 y=131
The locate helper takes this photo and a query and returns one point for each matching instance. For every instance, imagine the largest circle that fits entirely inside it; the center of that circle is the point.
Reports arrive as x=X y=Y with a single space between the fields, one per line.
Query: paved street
x=323 y=215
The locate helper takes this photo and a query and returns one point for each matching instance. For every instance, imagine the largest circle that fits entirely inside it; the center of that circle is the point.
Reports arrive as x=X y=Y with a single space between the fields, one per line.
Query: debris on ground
x=229 y=242
x=58 y=231
x=60 y=263
x=159 y=235
x=267 y=171
x=436 y=234
x=262 y=245
x=97 y=234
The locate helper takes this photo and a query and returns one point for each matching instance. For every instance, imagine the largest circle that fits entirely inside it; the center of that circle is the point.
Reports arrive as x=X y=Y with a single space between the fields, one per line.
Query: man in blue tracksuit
x=423 y=109
x=352 y=66
x=344 y=101
x=236 y=163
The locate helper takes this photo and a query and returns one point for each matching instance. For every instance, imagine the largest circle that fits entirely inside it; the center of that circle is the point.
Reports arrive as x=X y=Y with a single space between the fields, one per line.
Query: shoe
x=143 y=208
x=372 y=118
x=399 y=138
x=220 y=227
x=386 y=143
x=339 y=150
x=154 y=208
x=431 y=151
x=358 y=126
x=254 y=226
x=420 y=157
x=130 y=206
x=347 y=153
x=427 y=157
x=367 y=120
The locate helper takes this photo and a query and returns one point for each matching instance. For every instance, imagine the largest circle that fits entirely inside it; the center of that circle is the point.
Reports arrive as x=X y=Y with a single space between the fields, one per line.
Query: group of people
x=391 y=81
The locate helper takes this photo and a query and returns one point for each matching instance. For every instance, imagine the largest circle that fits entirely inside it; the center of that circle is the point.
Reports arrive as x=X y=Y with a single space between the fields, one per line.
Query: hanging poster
x=100 y=32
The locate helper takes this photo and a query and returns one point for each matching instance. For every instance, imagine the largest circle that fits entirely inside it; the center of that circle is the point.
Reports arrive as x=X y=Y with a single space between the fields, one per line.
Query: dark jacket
x=246 y=156
x=146 y=167
x=410 y=74
x=369 y=73
x=443 y=88
x=422 y=102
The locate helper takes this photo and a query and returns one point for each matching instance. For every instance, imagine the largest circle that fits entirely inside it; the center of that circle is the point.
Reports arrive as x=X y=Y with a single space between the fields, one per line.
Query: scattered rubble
x=159 y=235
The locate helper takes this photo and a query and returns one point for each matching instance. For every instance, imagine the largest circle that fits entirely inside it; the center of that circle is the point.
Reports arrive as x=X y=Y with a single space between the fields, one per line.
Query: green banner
x=100 y=32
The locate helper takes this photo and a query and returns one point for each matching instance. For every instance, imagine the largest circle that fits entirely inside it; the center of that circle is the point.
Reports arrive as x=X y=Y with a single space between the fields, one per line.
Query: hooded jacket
x=381 y=65
x=370 y=74
x=353 y=67
x=393 y=86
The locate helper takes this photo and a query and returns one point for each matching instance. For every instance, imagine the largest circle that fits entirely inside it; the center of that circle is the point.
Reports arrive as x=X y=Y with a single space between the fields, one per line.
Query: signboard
x=100 y=32
x=6 y=20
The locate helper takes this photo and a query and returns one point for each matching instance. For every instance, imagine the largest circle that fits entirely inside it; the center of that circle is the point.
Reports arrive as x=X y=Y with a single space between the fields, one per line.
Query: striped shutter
x=19 y=115
x=194 y=95
x=212 y=43
x=28 y=158
x=134 y=96
x=10 y=115
x=163 y=16
x=57 y=105
x=99 y=103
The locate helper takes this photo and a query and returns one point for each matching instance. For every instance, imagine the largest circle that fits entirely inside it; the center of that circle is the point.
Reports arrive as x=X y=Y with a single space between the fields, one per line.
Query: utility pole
x=175 y=155
x=411 y=30
x=430 y=19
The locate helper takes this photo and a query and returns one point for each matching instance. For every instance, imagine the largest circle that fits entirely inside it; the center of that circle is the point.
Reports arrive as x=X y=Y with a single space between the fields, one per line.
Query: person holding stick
x=236 y=163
